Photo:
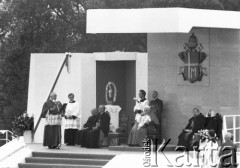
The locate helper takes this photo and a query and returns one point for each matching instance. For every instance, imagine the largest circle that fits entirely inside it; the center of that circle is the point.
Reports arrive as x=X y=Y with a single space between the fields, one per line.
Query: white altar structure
x=114 y=114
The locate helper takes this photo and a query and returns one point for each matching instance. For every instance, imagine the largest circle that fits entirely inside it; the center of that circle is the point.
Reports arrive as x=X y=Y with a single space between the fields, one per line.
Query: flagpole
x=54 y=84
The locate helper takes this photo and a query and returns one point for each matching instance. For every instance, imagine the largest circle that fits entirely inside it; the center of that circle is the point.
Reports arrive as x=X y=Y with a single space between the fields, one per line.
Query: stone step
x=72 y=155
x=37 y=165
x=66 y=161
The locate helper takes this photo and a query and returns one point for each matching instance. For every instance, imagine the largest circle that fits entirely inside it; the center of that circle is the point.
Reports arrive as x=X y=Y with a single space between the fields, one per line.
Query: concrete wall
x=220 y=92
x=43 y=72
x=81 y=80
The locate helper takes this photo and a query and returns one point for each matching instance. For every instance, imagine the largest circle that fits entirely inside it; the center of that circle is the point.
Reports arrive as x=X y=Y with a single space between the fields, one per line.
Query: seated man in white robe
x=72 y=123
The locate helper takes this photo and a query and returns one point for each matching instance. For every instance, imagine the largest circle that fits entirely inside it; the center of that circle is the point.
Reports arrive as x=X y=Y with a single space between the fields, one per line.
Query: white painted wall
x=158 y=20
x=43 y=72
x=81 y=80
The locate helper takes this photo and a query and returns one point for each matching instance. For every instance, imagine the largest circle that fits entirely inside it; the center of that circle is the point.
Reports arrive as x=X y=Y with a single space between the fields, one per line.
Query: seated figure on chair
x=143 y=118
x=97 y=137
x=88 y=126
x=138 y=134
x=195 y=124
x=214 y=122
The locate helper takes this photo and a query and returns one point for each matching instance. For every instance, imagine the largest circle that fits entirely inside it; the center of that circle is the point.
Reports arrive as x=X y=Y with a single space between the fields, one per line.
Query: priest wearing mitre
x=72 y=122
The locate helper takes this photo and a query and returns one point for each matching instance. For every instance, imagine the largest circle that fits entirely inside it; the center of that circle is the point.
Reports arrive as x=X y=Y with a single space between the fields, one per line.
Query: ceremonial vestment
x=72 y=122
x=52 y=111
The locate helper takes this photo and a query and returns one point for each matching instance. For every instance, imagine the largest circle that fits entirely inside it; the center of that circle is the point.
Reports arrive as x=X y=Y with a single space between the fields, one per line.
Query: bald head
x=154 y=94
x=227 y=136
x=94 y=111
x=53 y=96
x=101 y=108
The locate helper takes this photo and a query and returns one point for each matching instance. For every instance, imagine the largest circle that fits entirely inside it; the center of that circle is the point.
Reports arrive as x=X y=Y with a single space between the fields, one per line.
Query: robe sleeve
x=199 y=124
x=89 y=122
x=189 y=123
x=45 y=109
x=105 y=123
x=60 y=107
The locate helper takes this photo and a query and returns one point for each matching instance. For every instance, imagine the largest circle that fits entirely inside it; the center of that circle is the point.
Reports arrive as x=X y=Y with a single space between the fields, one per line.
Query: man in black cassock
x=52 y=111
x=195 y=124
x=88 y=126
x=96 y=137
x=214 y=122
x=159 y=105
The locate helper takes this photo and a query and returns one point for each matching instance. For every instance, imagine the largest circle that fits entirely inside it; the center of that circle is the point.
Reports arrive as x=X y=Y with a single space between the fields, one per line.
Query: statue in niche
x=111 y=93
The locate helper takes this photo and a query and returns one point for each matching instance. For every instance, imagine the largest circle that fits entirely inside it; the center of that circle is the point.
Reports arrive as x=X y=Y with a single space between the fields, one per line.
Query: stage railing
x=8 y=134
x=231 y=123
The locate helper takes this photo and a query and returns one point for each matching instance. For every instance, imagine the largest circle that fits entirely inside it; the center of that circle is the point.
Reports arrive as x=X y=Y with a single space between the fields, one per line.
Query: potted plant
x=23 y=126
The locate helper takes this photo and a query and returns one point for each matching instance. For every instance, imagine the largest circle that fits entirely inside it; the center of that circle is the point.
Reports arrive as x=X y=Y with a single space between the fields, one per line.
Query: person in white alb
x=141 y=103
x=72 y=122
x=144 y=118
x=138 y=133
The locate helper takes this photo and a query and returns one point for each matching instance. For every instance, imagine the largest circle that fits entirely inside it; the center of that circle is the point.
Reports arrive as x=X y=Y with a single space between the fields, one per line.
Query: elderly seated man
x=97 y=137
x=214 y=122
x=88 y=126
x=195 y=124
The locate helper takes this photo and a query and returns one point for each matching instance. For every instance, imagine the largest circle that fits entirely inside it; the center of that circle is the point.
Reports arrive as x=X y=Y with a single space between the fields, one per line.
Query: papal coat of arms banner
x=193 y=59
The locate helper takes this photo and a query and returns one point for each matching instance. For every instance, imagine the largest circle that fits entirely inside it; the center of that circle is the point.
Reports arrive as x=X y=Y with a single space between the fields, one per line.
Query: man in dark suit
x=88 y=126
x=98 y=135
x=214 y=122
x=104 y=123
x=195 y=124
x=159 y=105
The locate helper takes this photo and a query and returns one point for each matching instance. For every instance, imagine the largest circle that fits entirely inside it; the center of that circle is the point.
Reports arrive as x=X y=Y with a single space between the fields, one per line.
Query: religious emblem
x=111 y=93
x=192 y=58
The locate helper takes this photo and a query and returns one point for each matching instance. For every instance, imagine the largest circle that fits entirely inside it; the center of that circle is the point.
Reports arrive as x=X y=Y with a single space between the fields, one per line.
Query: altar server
x=72 y=122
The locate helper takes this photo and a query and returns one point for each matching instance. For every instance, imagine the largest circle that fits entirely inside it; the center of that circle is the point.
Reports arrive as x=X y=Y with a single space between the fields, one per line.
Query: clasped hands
x=70 y=117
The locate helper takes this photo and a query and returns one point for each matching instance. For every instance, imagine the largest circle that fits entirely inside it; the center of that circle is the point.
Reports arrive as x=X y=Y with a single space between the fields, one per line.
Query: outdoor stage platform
x=121 y=156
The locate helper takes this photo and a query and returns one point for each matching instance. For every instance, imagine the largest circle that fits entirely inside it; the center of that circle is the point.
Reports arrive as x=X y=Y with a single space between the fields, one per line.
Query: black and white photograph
x=113 y=84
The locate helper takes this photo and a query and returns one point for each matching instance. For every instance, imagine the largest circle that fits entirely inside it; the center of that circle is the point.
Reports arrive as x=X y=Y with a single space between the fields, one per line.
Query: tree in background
x=58 y=26
x=45 y=26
